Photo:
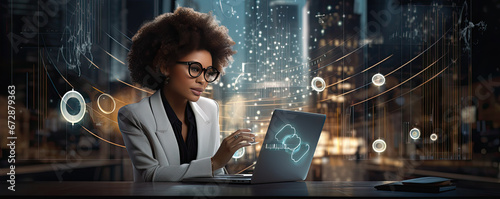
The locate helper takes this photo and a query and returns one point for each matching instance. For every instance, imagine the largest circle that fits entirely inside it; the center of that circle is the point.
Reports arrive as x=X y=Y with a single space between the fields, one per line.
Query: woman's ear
x=164 y=70
x=164 y=73
x=161 y=66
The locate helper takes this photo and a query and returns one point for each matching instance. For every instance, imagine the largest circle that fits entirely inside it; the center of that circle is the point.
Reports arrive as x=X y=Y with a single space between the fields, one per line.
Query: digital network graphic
x=287 y=139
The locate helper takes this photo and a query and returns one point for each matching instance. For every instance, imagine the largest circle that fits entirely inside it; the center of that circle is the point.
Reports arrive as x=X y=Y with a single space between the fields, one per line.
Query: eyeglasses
x=195 y=70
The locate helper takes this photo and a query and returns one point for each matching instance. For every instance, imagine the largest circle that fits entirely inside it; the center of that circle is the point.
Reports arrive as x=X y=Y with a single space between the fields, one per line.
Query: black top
x=189 y=149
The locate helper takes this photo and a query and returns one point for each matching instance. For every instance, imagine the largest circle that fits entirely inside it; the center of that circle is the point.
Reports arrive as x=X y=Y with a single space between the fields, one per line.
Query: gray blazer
x=151 y=142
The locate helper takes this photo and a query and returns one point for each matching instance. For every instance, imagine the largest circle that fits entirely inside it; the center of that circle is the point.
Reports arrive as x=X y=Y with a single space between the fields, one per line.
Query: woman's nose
x=201 y=79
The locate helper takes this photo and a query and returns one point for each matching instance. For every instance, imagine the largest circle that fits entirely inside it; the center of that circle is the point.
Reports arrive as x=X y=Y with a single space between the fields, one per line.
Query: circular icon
x=318 y=80
x=379 y=145
x=73 y=102
x=414 y=133
x=434 y=137
x=106 y=103
x=378 y=79
x=239 y=153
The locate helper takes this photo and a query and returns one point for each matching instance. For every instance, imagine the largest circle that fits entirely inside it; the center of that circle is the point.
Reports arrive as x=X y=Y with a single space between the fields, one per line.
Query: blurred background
x=410 y=88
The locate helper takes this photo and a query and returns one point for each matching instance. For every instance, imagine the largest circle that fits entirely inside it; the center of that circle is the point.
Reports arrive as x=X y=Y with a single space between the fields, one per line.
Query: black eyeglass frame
x=203 y=70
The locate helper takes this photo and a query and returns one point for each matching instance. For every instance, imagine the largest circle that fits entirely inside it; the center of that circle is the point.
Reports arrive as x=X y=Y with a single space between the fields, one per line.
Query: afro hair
x=161 y=42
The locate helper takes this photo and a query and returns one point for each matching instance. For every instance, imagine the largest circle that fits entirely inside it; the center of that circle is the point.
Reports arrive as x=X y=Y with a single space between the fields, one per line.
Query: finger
x=247 y=134
x=241 y=138
x=240 y=131
x=237 y=133
x=238 y=146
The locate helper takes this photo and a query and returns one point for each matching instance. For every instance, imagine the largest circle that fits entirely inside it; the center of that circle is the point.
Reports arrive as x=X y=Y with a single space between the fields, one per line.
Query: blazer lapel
x=203 y=131
x=164 y=130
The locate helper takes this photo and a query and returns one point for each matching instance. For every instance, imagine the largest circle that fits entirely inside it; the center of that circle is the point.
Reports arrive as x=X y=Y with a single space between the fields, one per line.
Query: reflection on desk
x=307 y=188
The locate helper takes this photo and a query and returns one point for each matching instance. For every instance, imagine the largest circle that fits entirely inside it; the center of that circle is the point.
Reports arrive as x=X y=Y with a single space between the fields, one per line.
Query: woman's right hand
x=229 y=146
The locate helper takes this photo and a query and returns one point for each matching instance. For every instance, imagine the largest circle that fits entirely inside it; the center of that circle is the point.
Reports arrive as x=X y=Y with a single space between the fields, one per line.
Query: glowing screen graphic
x=288 y=140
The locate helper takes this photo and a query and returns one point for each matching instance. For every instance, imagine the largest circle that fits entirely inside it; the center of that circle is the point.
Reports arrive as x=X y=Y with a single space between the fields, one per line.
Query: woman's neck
x=177 y=103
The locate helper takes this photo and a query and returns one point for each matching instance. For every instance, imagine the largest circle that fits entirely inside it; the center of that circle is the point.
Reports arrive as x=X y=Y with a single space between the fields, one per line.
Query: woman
x=174 y=133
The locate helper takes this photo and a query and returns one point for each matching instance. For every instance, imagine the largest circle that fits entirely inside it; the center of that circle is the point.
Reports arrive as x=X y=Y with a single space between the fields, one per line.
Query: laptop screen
x=289 y=146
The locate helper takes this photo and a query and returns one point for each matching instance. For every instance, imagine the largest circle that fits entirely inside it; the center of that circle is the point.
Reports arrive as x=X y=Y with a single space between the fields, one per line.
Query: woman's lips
x=196 y=92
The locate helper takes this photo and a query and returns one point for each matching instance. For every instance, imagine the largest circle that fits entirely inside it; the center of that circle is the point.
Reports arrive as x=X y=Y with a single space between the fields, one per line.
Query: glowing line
x=281 y=104
x=236 y=81
x=90 y=108
x=113 y=57
x=360 y=72
x=53 y=64
x=316 y=58
x=348 y=54
x=418 y=54
x=97 y=89
x=122 y=33
x=116 y=41
x=135 y=87
x=245 y=101
x=437 y=74
x=103 y=138
x=400 y=83
x=113 y=97
x=377 y=63
x=340 y=58
x=91 y=62
x=47 y=72
x=67 y=81
x=58 y=72
x=352 y=37
x=347 y=92
x=246 y=168
x=340 y=45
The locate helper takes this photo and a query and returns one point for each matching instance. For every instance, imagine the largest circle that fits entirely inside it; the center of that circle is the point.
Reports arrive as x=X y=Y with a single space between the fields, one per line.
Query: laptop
x=286 y=153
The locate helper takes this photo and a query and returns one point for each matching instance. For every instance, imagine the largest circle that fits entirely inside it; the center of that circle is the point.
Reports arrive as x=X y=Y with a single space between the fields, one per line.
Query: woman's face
x=181 y=84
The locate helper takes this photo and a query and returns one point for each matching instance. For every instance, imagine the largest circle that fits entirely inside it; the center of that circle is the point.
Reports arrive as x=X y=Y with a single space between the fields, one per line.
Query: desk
x=307 y=188
x=65 y=170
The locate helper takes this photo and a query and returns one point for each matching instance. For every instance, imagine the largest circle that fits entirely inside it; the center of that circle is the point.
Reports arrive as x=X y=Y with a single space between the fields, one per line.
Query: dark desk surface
x=307 y=188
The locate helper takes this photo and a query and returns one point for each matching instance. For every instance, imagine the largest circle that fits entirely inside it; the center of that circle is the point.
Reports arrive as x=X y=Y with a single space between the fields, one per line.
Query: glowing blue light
x=239 y=153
